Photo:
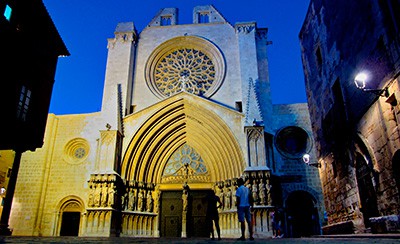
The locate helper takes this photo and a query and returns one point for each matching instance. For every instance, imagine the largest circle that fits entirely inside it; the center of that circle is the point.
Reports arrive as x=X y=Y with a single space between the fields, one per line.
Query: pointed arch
x=182 y=120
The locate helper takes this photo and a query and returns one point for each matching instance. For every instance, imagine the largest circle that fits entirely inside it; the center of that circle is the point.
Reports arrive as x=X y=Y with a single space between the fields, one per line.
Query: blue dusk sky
x=85 y=25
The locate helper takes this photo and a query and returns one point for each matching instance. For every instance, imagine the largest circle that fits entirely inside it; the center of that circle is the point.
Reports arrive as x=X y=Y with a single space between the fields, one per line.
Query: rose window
x=185 y=159
x=185 y=69
x=186 y=63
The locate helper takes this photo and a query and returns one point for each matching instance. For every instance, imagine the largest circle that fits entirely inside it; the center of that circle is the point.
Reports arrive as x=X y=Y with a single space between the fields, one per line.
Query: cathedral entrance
x=302 y=216
x=70 y=224
x=172 y=210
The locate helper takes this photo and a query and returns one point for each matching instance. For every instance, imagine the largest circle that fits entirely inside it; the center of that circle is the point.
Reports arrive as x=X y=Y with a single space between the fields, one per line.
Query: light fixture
x=306 y=160
x=361 y=79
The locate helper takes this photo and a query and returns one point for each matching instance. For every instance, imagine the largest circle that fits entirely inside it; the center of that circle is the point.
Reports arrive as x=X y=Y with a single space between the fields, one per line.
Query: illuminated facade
x=186 y=109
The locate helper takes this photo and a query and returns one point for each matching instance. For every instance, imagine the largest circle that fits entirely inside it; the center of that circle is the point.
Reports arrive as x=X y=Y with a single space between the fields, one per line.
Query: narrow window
x=165 y=20
x=204 y=18
x=238 y=106
x=318 y=56
x=7 y=12
x=23 y=104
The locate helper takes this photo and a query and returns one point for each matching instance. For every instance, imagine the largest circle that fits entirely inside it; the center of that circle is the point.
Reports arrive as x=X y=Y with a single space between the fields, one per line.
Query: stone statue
x=149 y=202
x=185 y=200
x=261 y=188
x=104 y=194
x=254 y=191
x=228 y=199
x=268 y=190
x=131 y=200
x=222 y=198
x=140 y=201
x=124 y=201
x=90 y=200
x=111 y=191
x=156 y=202
x=97 y=194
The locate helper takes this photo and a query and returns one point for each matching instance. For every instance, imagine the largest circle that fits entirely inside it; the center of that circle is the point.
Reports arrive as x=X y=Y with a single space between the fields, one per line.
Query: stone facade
x=186 y=109
x=356 y=130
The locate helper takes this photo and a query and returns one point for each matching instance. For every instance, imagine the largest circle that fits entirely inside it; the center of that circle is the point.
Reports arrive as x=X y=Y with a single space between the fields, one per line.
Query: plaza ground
x=338 y=239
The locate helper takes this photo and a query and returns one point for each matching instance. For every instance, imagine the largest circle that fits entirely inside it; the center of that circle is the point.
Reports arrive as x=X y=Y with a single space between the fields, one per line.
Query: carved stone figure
x=90 y=200
x=140 y=201
x=185 y=200
x=221 y=197
x=124 y=201
x=254 y=191
x=104 y=194
x=268 y=190
x=228 y=199
x=149 y=202
x=111 y=191
x=261 y=188
x=131 y=200
x=97 y=194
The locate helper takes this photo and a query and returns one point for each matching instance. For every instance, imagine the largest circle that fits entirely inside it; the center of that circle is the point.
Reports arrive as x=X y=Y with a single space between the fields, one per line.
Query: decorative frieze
x=245 y=27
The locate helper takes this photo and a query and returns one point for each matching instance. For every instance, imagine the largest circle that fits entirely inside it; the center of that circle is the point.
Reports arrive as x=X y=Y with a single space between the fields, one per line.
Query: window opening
x=165 y=20
x=23 y=104
x=204 y=17
x=318 y=56
x=7 y=12
x=238 y=106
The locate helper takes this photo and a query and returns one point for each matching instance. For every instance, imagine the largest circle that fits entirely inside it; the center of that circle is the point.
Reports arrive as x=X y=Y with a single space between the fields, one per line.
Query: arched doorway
x=364 y=174
x=70 y=217
x=301 y=215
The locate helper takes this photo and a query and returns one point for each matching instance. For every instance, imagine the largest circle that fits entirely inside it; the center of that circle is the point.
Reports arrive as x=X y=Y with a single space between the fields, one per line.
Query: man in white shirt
x=244 y=203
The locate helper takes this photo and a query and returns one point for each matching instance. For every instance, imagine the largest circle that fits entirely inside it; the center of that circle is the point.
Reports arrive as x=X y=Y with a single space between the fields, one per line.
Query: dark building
x=355 y=124
x=30 y=46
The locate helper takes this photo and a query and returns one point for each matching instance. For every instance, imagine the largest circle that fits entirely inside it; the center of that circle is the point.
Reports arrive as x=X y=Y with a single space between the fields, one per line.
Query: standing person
x=244 y=203
x=212 y=213
x=277 y=220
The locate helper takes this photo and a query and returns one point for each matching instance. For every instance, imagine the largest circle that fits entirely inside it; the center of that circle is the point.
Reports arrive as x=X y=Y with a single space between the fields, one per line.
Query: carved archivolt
x=186 y=63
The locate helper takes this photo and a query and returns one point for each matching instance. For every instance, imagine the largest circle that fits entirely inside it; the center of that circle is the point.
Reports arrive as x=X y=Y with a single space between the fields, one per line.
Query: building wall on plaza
x=355 y=129
x=186 y=110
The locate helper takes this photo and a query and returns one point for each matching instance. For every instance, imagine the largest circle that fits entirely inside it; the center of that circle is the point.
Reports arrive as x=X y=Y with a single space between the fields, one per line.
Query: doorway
x=366 y=190
x=70 y=223
x=171 y=214
x=301 y=215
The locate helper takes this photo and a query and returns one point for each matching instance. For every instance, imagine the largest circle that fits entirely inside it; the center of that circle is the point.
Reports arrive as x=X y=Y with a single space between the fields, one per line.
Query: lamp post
x=360 y=81
x=306 y=160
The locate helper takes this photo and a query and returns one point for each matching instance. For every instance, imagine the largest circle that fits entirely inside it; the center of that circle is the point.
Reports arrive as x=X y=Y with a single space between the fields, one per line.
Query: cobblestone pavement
x=116 y=240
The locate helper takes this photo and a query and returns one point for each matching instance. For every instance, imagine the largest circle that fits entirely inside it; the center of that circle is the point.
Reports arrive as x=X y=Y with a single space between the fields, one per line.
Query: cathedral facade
x=186 y=110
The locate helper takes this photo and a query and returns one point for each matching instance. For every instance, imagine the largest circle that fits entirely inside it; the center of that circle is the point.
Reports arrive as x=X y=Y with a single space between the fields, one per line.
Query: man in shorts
x=244 y=203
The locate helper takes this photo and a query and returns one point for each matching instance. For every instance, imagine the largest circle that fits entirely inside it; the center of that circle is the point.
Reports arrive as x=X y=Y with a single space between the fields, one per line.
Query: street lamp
x=362 y=78
x=306 y=160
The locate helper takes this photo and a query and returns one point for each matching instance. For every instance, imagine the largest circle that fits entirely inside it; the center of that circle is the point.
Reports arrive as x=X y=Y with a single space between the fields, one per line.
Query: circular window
x=76 y=151
x=293 y=142
x=187 y=63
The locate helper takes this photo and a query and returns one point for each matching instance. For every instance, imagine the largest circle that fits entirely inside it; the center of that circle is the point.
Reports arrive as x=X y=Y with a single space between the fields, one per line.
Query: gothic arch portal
x=183 y=121
x=69 y=218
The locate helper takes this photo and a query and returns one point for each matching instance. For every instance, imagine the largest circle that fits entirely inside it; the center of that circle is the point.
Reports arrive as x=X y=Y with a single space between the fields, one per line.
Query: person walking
x=213 y=203
x=244 y=202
